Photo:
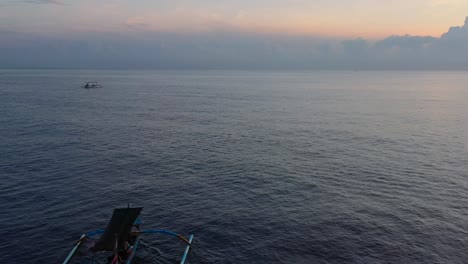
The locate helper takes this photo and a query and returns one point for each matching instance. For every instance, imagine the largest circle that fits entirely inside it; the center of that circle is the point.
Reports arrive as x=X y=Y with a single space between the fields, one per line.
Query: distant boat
x=119 y=242
x=89 y=85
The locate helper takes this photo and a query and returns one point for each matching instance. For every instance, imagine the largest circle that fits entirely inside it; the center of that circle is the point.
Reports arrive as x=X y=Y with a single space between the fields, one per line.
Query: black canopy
x=119 y=225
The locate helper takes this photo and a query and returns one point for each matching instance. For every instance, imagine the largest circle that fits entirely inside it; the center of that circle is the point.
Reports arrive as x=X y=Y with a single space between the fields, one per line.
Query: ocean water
x=263 y=167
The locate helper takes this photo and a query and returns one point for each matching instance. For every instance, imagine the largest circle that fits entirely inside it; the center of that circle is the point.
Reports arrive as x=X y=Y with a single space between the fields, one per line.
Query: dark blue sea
x=263 y=167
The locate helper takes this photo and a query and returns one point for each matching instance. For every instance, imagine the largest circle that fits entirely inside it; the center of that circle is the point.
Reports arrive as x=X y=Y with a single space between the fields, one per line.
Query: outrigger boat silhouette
x=89 y=85
x=119 y=242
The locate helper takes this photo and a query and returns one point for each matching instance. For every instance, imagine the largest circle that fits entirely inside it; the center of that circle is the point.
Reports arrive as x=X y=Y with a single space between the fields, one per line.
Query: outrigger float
x=119 y=242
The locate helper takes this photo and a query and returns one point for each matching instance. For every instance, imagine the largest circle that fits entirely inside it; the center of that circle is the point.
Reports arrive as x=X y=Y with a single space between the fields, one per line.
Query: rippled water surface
x=263 y=167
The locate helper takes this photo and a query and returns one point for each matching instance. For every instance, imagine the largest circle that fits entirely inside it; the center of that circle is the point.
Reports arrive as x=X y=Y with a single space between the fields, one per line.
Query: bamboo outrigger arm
x=72 y=252
x=187 y=250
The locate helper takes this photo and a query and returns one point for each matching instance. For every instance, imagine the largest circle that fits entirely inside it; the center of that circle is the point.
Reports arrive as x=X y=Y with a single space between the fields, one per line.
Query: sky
x=329 y=34
x=338 y=18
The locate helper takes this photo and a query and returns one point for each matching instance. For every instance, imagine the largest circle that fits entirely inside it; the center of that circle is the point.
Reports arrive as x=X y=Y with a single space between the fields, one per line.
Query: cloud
x=8 y=3
x=224 y=49
x=137 y=22
x=53 y=2
x=457 y=33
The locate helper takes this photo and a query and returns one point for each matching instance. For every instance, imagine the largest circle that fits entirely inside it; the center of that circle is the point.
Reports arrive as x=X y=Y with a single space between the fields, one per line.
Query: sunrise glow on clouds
x=243 y=34
x=331 y=18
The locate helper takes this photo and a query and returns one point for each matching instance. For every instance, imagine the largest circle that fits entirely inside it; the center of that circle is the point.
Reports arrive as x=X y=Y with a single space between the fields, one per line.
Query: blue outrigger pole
x=187 y=250
x=72 y=252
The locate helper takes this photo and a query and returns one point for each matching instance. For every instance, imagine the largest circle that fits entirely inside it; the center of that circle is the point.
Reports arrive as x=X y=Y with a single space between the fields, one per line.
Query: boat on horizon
x=118 y=243
x=94 y=84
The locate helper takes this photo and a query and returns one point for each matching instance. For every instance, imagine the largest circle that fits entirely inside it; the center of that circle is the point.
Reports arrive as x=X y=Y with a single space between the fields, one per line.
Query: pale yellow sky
x=334 y=18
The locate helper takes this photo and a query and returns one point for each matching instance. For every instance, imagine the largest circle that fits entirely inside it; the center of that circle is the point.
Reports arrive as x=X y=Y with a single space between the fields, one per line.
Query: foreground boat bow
x=119 y=242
